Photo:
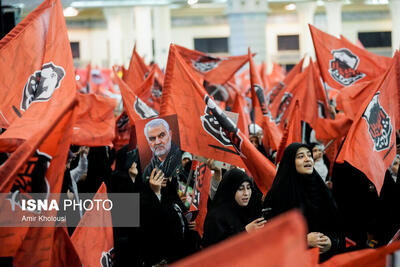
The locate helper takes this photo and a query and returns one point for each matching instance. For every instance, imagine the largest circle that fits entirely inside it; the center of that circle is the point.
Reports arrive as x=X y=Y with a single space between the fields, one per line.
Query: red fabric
x=36 y=249
x=328 y=129
x=351 y=98
x=203 y=181
x=64 y=252
x=122 y=131
x=370 y=145
x=341 y=63
x=218 y=70
x=135 y=75
x=365 y=258
x=240 y=107
x=292 y=133
x=135 y=108
x=280 y=243
x=196 y=113
x=272 y=134
x=92 y=242
x=284 y=100
x=95 y=121
x=273 y=92
x=145 y=93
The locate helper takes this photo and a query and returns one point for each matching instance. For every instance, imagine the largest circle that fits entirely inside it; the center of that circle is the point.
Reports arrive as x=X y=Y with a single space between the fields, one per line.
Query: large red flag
x=37 y=108
x=95 y=121
x=370 y=145
x=292 y=132
x=280 y=243
x=37 y=166
x=38 y=50
x=136 y=73
x=135 y=108
x=95 y=245
x=205 y=130
x=214 y=70
x=342 y=64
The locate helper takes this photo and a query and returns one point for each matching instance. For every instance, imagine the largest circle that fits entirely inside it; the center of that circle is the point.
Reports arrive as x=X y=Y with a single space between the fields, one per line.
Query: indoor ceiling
x=93 y=8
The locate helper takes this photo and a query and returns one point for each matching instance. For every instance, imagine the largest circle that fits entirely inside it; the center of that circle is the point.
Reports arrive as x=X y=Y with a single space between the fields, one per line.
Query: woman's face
x=243 y=194
x=304 y=161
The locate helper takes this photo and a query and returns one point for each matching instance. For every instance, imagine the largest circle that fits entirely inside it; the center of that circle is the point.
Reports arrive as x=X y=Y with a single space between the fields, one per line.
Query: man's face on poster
x=159 y=140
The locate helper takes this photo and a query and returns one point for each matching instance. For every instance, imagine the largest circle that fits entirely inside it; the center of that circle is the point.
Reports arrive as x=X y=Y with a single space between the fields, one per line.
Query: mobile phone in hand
x=191 y=215
x=266 y=213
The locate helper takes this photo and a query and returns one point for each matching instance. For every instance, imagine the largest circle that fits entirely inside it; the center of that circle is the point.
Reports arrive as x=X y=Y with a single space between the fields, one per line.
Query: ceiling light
x=290 y=7
x=70 y=12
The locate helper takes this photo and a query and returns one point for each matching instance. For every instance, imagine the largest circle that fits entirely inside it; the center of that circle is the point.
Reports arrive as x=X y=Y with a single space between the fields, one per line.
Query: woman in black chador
x=298 y=185
x=235 y=208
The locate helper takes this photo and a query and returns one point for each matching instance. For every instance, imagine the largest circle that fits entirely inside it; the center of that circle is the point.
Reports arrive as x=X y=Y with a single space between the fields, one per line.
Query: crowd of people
x=341 y=209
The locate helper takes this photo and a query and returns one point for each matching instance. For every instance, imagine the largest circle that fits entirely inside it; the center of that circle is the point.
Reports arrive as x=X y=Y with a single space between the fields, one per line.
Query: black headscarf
x=226 y=218
x=307 y=193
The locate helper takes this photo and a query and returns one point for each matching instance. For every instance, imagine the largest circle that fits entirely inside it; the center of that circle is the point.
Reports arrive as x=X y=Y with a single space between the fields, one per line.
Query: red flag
x=201 y=191
x=284 y=100
x=214 y=70
x=36 y=83
x=280 y=243
x=342 y=64
x=122 y=131
x=240 y=107
x=37 y=107
x=275 y=91
x=350 y=98
x=64 y=252
x=136 y=73
x=382 y=256
x=95 y=245
x=292 y=132
x=327 y=129
x=205 y=130
x=263 y=116
x=370 y=145
x=135 y=108
x=150 y=91
x=276 y=75
x=95 y=121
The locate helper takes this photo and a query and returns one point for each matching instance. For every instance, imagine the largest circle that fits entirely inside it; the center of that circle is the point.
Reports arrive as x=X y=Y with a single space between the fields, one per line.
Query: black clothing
x=164 y=230
x=169 y=166
x=357 y=201
x=225 y=217
x=309 y=194
x=389 y=207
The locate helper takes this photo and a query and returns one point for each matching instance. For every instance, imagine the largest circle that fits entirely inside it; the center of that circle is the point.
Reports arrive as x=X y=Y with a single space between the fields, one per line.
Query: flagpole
x=303 y=132
x=329 y=143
